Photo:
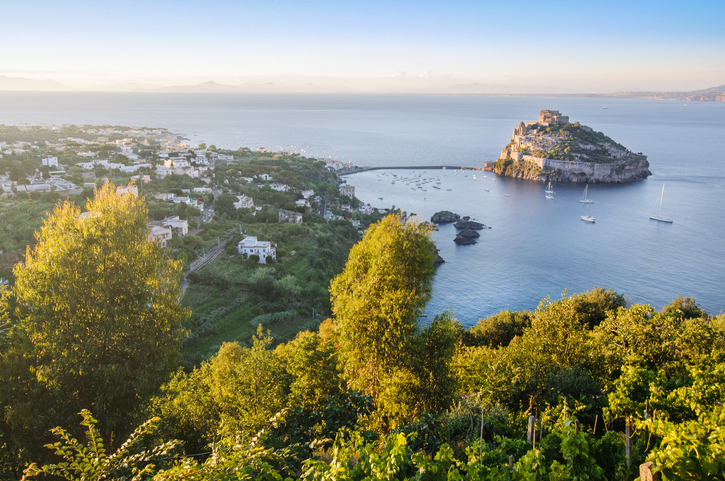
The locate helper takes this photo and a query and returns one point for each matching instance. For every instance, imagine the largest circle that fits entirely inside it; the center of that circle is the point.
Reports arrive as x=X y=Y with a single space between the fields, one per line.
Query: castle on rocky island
x=542 y=151
x=547 y=118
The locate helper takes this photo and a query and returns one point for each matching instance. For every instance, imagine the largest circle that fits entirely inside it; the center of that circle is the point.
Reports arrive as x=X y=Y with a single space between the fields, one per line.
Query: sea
x=535 y=247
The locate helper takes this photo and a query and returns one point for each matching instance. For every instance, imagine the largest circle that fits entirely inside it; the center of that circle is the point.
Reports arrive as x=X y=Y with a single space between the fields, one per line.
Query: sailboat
x=584 y=199
x=549 y=191
x=659 y=217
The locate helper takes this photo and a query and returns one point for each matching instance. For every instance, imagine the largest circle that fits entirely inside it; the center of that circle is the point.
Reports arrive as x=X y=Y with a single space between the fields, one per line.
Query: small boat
x=487 y=190
x=474 y=177
x=549 y=196
x=508 y=195
x=584 y=199
x=588 y=218
x=549 y=189
x=449 y=190
x=659 y=217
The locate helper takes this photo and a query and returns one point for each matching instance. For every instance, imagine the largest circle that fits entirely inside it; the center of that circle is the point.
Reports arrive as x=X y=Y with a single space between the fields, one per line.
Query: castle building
x=552 y=117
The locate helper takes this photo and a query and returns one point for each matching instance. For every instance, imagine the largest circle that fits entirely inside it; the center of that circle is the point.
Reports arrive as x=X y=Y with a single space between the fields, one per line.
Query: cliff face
x=555 y=150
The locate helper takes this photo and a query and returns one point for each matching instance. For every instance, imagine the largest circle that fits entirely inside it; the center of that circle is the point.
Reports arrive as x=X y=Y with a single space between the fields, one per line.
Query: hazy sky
x=562 y=45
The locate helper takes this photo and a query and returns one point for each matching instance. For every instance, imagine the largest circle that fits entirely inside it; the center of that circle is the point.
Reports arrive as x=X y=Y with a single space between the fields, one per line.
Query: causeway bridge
x=407 y=167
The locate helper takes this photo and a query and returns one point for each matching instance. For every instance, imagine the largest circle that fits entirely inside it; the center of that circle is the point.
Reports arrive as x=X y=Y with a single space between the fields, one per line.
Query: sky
x=538 y=46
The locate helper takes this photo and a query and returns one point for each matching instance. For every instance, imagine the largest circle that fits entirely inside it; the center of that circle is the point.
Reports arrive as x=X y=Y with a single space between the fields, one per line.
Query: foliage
x=377 y=301
x=95 y=300
x=91 y=462
x=500 y=329
x=237 y=391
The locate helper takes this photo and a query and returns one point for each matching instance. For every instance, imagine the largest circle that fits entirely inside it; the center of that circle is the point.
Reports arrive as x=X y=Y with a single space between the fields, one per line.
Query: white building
x=263 y=249
x=131 y=189
x=347 y=190
x=133 y=168
x=307 y=193
x=279 y=187
x=50 y=161
x=171 y=163
x=160 y=234
x=175 y=223
x=244 y=202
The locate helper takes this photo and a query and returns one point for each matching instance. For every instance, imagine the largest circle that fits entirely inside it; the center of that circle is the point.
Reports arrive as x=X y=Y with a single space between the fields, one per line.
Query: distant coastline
x=381 y=86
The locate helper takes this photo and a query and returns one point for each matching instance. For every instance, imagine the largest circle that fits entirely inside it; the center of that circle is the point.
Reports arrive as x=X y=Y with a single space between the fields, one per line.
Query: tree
x=377 y=301
x=98 y=317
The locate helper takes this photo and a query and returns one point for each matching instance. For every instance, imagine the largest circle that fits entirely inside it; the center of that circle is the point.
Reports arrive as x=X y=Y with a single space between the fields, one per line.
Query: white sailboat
x=584 y=199
x=659 y=216
x=588 y=218
x=549 y=189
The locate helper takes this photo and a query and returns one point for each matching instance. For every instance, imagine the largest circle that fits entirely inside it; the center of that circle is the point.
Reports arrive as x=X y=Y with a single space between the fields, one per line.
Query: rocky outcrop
x=444 y=217
x=464 y=241
x=564 y=152
x=465 y=223
x=437 y=259
x=469 y=233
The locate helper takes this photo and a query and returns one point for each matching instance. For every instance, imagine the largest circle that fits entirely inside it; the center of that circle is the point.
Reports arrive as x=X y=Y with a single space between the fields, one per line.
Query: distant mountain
x=713 y=94
x=217 y=88
x=26 y=84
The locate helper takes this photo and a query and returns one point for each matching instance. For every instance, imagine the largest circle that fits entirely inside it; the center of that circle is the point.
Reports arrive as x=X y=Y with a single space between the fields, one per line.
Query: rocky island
x=552 y=149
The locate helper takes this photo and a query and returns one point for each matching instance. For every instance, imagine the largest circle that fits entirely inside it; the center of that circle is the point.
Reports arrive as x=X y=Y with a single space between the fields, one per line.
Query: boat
x=584 y=199
x=659 y=216
x=549 y=189
x=549 y=196
x=508 y=195
x=487 y=190
x=588 y=218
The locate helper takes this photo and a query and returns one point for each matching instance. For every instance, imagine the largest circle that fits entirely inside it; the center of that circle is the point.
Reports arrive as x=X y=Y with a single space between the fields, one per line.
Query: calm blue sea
x=536 y=247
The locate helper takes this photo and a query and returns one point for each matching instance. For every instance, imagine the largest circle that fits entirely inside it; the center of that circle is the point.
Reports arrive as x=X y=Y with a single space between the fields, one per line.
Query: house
x=347 y=190
x=130 y=189
x=307 y=193
x=279 y=187
x=263 y=177
x=289 y=216
x=133 y=168
x=303 y=203
x=181 y=225
x=143 y=178
x=346 y=207
x=176 y=163
x=244 y=202
x=50 y=161
x=160 y=234
x=165 y=196
x=251 y=246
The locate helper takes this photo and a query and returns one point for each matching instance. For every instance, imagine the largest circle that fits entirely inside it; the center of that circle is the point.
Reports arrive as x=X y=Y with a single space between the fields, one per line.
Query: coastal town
x=67 y=160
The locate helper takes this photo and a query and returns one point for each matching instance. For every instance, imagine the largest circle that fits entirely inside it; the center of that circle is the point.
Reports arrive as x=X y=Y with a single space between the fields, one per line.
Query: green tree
x=237 y=391
x=377 y=301
x=98 y=318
